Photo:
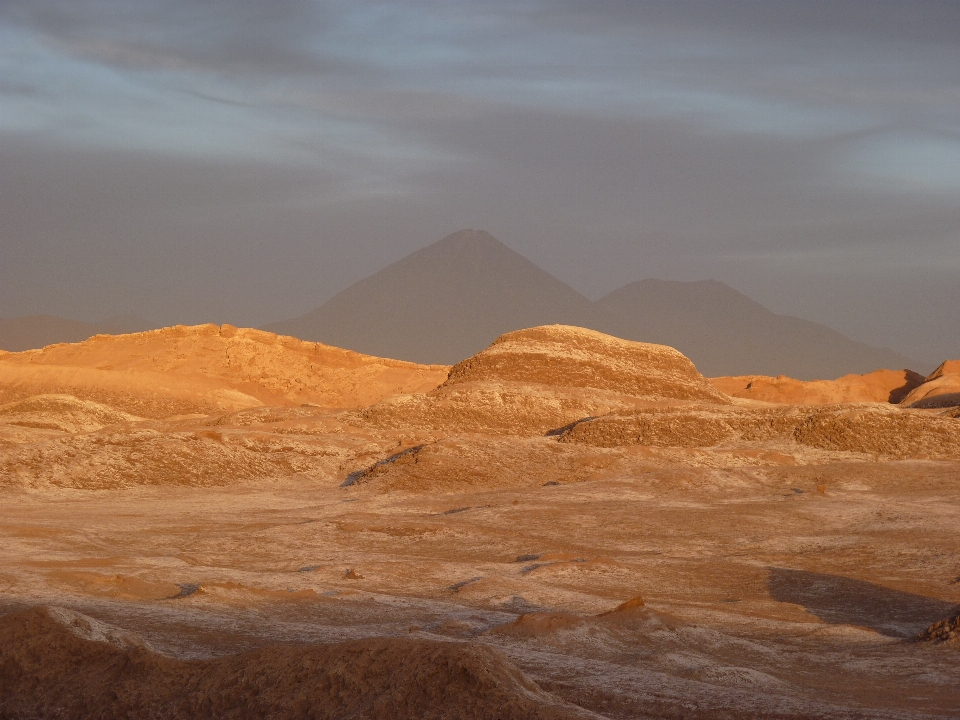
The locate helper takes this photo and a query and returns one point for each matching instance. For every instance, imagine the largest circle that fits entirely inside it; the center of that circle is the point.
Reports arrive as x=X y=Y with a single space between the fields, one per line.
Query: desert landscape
x=546 y=359
x=210 y=521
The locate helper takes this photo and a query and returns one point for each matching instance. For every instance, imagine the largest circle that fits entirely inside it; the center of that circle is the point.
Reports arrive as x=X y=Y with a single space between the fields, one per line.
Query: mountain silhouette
x=726 y=333
x=445 y=302
x=451 y=299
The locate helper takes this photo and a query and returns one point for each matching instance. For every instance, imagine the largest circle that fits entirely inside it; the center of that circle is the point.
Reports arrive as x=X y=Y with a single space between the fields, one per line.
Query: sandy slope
x=207 y=368
x=940 y=389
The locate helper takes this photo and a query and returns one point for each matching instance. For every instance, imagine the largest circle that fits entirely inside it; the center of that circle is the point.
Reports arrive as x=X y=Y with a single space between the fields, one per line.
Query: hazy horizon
x=243 y=162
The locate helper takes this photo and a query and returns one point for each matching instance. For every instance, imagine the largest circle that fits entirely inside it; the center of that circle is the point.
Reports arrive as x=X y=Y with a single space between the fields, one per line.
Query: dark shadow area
x=911 y=381
x=946 y=400
x=568 y=426
x=845 y=601
x=360 y=474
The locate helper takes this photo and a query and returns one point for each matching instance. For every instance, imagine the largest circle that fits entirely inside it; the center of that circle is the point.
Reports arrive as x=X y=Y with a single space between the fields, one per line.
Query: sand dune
x=208 y=368
x=56 y=663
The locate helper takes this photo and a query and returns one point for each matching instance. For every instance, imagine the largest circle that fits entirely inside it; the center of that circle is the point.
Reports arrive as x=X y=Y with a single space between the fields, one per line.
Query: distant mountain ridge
x=721 y=329
x=451 y=299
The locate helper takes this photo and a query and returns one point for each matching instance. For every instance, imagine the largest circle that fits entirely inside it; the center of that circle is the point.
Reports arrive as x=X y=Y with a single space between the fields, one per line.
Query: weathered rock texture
x=56 y=663
x=890 y=386
x=532 y=381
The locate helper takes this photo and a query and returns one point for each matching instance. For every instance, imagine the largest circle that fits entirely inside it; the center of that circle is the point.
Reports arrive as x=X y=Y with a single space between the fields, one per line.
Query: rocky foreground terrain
x=216 y=522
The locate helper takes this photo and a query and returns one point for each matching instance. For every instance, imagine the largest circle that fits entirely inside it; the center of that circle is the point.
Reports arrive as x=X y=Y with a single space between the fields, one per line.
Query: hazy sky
x=243 y=161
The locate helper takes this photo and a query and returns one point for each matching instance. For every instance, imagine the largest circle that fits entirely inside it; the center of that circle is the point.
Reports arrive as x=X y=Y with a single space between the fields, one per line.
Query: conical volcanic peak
x=443 y=303
x=572 y=357
x=478 y=241
x=451 y=299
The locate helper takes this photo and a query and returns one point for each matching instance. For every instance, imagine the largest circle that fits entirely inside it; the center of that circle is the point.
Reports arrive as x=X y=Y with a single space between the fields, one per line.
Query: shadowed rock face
x=56 y=663
x=941 y=388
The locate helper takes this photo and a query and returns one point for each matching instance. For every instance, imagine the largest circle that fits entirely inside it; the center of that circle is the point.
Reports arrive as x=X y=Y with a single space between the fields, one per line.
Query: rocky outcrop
x=533 y=381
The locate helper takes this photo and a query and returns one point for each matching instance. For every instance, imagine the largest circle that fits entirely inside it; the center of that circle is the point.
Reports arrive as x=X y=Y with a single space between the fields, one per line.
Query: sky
x=244 y=161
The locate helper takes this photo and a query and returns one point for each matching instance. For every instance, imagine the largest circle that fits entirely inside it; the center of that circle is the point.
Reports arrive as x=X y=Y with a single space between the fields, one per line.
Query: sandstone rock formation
x=878 y=386
x=532 y=381
x=867 y=429
x=944 y=631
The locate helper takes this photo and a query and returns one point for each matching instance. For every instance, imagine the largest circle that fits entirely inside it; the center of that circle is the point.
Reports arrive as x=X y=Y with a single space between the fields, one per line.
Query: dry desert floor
x=212 y=522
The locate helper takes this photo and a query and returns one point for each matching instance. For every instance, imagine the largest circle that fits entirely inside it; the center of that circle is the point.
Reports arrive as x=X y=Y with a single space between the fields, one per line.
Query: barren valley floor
x=672 y=553
x=758 y=598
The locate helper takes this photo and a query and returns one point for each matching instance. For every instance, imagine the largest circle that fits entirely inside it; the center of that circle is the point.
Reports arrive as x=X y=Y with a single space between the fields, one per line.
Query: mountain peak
x=469 y=239
x=445 y=302
x=471 y=247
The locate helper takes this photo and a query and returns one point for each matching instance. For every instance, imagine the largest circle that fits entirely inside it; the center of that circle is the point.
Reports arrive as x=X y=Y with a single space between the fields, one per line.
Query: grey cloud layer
x=782 y=147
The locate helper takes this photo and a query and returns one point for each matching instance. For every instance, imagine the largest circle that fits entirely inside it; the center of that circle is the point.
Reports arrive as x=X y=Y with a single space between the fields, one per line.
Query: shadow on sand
x=845 y=601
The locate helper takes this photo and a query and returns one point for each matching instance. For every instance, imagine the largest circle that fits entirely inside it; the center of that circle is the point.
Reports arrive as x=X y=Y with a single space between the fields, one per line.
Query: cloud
x=258 y=156
x=217 y=36
x=920 y=21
